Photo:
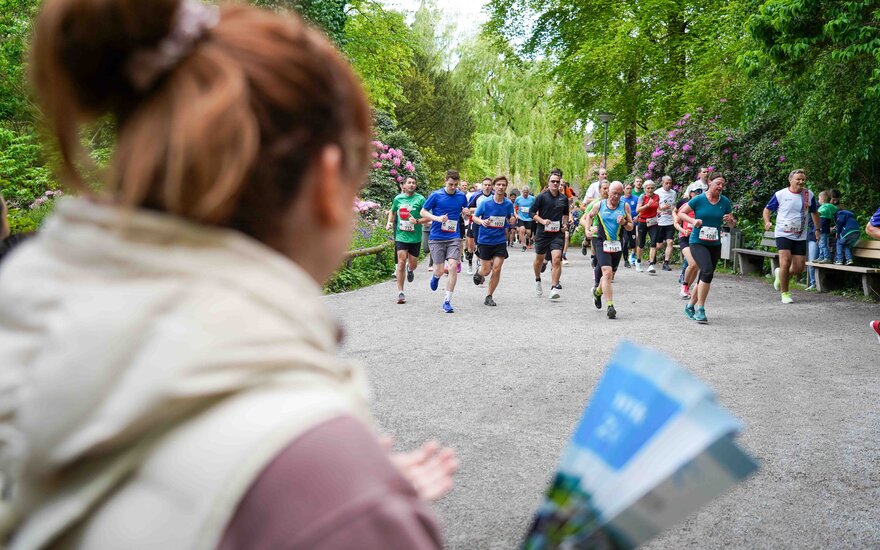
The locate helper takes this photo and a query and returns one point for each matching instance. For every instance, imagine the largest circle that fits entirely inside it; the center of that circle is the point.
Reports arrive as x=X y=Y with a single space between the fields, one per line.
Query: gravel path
x=504 y=386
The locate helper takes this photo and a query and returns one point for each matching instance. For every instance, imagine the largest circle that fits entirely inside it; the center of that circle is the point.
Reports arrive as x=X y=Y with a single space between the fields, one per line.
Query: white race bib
x=552 y=227
x=611 y=246
x=709 y=234
x=449 y=226
x=406 y=225
x=524 y=210
x=496 y=221
x=792 y=227
x=651 y=221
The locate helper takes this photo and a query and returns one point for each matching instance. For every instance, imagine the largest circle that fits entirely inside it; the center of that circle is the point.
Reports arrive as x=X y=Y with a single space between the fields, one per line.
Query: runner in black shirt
x=551 y=214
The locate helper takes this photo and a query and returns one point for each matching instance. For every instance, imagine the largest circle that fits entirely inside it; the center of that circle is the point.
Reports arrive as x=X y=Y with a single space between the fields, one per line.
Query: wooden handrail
x=367 y=251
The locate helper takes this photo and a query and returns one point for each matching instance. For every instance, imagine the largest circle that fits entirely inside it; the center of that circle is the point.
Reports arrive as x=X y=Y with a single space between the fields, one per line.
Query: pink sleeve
x=332 y=488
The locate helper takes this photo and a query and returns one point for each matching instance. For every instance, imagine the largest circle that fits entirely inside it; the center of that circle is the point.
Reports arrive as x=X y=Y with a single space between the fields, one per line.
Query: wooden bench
x=862 y=250
x=752 y=261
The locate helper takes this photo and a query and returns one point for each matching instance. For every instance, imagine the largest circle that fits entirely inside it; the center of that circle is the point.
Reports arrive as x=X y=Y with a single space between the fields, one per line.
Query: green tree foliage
x=815 y=68
x=645 y=61
x=519 y=130
x=381 y=48
x=435 y=110
x=328 y=15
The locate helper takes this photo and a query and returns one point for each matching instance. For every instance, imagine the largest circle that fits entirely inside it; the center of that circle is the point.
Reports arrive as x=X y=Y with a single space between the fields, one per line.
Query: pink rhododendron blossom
x=782 y=158
x=399 y=179
x=672 y=133
x=723 y=100
x=657 y=153
x=409 y=167
x=652 y=165
x=735 y=156
x=377 y=165
x=686 y=147
x=393 y=172
x=396 y=161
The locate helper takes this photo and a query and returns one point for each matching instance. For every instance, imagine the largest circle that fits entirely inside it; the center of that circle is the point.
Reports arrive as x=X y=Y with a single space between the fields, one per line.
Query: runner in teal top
x=706 y=213
x=712 y=216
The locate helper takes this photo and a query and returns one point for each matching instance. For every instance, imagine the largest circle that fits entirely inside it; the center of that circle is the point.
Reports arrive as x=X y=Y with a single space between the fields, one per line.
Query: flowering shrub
x=45 y=198
x=390 y=166
x=752 y=160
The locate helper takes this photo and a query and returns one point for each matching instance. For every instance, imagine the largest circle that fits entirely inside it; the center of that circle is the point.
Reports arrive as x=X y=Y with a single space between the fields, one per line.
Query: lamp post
x=605 y=118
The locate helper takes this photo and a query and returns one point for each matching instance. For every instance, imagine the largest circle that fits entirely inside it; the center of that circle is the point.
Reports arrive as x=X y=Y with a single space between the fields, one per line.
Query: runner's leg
x=497 y=262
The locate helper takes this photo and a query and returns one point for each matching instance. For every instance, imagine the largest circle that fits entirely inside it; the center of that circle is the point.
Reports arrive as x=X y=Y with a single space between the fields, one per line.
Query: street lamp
x=605 y=118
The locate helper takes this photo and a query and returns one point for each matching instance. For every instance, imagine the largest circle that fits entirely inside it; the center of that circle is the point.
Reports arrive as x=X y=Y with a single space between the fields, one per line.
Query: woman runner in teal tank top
x=613 y=217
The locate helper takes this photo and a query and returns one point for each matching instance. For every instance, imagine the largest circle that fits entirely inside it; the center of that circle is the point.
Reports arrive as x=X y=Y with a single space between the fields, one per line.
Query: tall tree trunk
x=629 y=145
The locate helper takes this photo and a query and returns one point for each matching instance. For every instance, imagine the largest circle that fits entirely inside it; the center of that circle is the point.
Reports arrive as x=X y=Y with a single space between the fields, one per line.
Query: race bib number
x=523 y=210
x=406 y=225
x=496 y=221
x=709 y=234
x=792 y=227
x=449 y=226
x=651 y=221
x=611 y=246
x=553 y=227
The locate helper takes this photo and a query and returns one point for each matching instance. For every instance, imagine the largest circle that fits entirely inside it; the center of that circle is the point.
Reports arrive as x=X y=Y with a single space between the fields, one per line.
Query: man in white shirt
x=593 y=190
x=702 y=181
x=665 y=221
x=793 y=205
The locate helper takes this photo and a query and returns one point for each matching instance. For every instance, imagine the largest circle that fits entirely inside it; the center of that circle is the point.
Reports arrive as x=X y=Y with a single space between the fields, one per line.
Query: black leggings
x=707 y=258
x=628 y=239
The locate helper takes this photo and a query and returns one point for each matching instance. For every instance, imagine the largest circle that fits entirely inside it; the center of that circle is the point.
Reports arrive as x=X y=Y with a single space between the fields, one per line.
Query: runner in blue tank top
x=614 y=218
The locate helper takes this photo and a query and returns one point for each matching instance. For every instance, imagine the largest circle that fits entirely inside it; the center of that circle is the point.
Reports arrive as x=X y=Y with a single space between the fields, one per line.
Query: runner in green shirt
x=405 y=218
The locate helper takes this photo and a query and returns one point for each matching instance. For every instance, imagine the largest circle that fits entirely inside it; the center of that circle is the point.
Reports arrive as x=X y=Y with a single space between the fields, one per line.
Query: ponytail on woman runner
x=218 y=113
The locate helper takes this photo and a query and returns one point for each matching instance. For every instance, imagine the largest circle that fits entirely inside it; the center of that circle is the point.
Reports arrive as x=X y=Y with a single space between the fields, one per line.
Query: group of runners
x=619 y=220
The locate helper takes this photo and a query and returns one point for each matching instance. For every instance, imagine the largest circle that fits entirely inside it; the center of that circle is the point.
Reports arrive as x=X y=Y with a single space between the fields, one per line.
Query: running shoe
x=612 y=313
x=470 y=270
x=786 y=298
x=544 y=266
x=458 y=267
x=776 y=278
x=478 y=279
x=685 y=292
x=810 y=288
x=639 y=267
x=666 y=266
x=559 y=285
x=554 y=293
x=524 y=248
x=410 y=275
x=651 y=268
x=875 y=326
x=689 y=311
x=538 y=289
x=838 y=262
x=489 y=301
x=401 y=299
x=584 y=248
x=849 y=262
x=564 y=262
x=597 y=297
x=700 y=316
x=632 y=258
x=822 y=261
x=435 y=280
x=626 y=264
x=447 y=307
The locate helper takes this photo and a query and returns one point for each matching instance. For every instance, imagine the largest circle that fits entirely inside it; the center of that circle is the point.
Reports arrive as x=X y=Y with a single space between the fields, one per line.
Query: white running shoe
x=538 y=288
x=685 y=292
x=639 y=267
x=651 y=268
x=564 y=262
x=470 y=269
x=554 y=293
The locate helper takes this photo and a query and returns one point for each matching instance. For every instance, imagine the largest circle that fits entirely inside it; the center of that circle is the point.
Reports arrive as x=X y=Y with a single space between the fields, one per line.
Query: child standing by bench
x=826 y=218
x=848 y=232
